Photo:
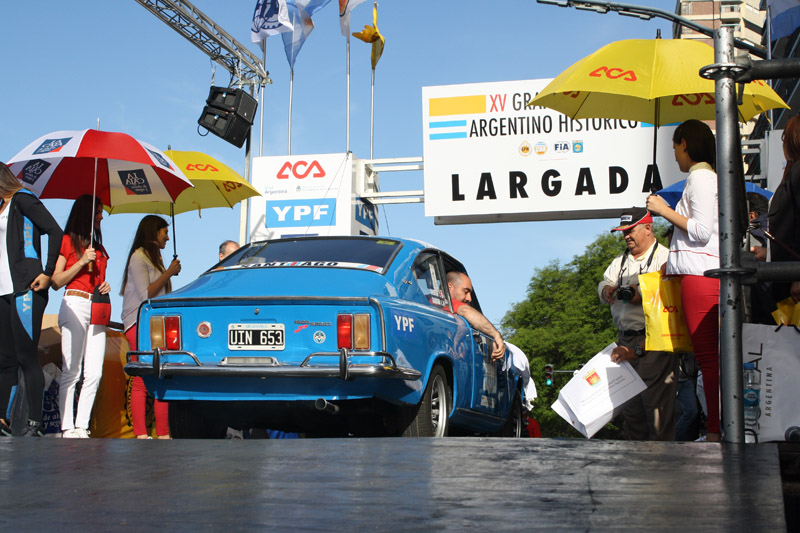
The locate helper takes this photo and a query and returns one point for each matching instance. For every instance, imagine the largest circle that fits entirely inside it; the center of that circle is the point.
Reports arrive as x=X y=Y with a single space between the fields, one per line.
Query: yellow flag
x=370 y=34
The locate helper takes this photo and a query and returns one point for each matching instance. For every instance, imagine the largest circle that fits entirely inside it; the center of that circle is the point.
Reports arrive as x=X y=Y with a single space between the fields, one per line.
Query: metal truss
x=183 y=17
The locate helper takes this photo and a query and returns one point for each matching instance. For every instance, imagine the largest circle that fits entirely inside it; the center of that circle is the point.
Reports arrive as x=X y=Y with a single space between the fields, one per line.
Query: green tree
x=563 y=322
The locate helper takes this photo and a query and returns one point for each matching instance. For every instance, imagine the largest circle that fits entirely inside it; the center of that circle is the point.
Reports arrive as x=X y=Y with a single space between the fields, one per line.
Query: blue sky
x=69 y=63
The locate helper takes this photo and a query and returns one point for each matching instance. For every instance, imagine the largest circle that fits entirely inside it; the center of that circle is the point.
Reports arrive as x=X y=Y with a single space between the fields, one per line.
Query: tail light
x=344 y=331
x=165 y=332
x=353 y=331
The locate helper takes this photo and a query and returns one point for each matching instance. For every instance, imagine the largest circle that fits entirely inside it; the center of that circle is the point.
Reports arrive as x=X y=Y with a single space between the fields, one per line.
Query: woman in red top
x=81 y=266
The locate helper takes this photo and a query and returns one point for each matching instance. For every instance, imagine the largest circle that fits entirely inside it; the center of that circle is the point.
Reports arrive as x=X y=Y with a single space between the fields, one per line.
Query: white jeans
x=82 y=345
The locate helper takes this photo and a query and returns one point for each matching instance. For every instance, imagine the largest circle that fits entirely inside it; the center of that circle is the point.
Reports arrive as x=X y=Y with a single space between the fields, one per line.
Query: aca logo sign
x=613 y=74
x=201 y=167
x=300 y=170
x=301 y=213
x=693 y=99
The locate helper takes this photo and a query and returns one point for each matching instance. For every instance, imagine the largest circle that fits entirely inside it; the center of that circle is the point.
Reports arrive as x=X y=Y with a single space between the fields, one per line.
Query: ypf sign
x=489 y=157
x=308 y=195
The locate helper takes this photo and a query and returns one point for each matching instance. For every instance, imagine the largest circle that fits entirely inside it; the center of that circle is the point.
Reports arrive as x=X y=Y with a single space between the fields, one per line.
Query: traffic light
x=548 y=375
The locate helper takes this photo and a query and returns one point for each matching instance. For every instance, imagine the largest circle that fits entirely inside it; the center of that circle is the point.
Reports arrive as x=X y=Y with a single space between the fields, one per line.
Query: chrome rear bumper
x=271 y=368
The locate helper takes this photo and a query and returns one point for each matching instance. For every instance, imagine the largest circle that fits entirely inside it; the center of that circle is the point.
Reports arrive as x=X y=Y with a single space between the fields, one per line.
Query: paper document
x=598 y=392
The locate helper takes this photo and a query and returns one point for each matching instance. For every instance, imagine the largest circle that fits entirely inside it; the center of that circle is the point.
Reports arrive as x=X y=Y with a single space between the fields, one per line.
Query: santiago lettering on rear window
x=330 y=264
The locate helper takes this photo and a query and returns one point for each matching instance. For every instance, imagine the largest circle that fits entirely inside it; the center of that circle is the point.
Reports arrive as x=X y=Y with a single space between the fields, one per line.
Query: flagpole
x=372 y=114
x=261 y=120
x=347 y=143
x=291 y=91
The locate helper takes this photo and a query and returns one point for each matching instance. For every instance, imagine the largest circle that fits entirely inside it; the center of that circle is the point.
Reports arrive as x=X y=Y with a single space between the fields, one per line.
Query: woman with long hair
x=23 y=294
x=81 y=267
x=784 y=211
x=695 y=249
x=145 y=277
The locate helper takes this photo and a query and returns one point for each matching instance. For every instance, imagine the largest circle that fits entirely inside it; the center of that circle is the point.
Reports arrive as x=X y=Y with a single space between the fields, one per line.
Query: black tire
x=513 y=425
x=430 y=418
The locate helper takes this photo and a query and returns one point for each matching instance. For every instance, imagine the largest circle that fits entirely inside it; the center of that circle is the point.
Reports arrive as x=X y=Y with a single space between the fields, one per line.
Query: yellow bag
x=663 y=314
x=787 y=313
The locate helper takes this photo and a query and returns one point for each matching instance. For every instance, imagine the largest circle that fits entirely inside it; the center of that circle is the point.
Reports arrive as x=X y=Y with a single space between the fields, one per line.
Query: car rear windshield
x=367 y=254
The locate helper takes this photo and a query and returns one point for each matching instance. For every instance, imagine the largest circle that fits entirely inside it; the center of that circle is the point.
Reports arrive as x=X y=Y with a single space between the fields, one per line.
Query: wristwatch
x=638 y=350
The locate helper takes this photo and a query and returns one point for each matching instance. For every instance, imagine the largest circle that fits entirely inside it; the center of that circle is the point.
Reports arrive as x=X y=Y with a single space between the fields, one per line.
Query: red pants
x=700 y=299
x=139 y=400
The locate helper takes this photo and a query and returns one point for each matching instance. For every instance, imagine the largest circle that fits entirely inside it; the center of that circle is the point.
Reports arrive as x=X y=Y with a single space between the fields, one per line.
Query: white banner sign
x=308 y=195
x=491 y=158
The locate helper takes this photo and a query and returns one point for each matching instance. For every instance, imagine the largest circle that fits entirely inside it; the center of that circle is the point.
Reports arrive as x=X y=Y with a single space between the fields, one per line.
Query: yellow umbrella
x=215 y=185
x=655 y=81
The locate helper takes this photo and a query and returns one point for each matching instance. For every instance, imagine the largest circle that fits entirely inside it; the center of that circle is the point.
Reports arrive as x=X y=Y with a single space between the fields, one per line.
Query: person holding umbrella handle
x=146 y=277
x=23 y=294
x=694 y=249
x=83 y=340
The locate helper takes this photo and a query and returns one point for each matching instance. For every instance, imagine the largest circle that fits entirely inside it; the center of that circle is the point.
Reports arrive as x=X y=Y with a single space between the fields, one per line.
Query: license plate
x=256 y=337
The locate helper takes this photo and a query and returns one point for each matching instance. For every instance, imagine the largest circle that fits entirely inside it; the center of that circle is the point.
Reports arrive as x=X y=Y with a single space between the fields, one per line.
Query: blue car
x=326 y=336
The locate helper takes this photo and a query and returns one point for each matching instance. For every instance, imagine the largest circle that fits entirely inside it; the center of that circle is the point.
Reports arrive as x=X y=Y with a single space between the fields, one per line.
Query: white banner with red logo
x=308 y=195
x=491 y=158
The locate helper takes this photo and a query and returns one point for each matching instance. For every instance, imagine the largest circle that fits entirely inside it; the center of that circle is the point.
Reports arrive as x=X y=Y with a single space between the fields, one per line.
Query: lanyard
x=641 y=269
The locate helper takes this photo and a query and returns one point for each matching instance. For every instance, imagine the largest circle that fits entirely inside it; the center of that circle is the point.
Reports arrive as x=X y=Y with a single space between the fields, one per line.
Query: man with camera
x=651 y=415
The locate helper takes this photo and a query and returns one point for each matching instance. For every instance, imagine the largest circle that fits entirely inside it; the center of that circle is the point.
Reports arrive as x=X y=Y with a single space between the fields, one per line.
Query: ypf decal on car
x=404 y=325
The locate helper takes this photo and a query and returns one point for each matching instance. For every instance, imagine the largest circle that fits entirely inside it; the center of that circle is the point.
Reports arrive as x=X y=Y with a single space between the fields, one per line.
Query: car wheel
x=430 y=417
x=513 y=425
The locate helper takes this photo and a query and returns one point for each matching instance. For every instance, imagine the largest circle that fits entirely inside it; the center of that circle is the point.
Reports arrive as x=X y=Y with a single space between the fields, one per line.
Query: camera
x=626 y=294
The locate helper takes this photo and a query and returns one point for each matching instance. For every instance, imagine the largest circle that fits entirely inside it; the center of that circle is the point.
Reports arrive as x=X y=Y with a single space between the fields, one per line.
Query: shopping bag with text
x=663 y=314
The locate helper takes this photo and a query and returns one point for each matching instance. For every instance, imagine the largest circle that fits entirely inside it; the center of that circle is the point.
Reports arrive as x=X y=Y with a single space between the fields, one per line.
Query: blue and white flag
x=784 y=17
x=345 y=7
x=300 y=12
x=270 y=17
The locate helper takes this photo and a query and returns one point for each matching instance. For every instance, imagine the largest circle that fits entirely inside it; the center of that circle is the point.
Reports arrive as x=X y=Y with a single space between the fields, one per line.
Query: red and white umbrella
x=114 y=166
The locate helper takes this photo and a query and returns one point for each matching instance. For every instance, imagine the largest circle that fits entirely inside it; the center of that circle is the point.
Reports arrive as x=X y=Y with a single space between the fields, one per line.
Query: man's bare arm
x=482 y=324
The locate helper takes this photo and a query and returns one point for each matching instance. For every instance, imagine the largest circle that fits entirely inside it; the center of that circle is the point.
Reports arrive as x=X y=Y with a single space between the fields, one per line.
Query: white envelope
x=598 y=392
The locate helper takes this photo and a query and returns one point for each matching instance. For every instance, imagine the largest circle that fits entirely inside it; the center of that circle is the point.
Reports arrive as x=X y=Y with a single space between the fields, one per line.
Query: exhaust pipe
x=324 y=405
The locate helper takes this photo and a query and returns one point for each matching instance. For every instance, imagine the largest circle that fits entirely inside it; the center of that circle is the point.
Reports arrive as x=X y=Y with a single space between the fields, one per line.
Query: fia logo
x=561 y=147
x=51 y=145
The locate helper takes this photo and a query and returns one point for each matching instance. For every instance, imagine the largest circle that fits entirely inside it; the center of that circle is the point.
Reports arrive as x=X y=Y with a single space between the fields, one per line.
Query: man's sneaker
x=33 y=429
x=69 y=434
x=5 y=430
x=81 y=433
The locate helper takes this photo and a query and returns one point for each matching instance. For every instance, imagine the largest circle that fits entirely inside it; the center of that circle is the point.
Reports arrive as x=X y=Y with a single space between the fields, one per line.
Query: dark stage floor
x=387 y=485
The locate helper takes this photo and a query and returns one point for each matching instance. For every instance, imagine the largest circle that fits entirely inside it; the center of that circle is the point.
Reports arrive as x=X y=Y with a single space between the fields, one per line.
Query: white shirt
x=697 y=249
x=141 y=273
x=626 y=315
x=6 y=284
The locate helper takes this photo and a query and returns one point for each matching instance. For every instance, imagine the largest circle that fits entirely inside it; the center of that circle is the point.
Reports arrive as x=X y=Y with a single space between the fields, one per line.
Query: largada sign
x=489 y=157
